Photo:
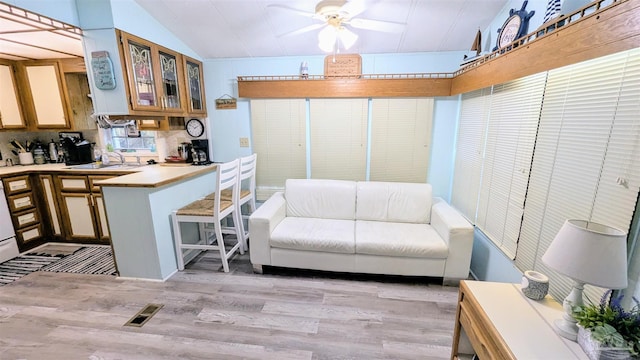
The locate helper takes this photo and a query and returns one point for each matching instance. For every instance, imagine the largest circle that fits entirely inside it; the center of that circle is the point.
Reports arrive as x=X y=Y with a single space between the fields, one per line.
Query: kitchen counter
x=133 y=175
x=138 y=208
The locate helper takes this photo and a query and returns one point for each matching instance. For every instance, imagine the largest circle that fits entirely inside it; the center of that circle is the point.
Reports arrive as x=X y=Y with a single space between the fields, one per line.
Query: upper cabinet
x=10 y=109
x=47 y=103
x=195 y=87
x=154 y=74
x=45 y=95
x=160 y=82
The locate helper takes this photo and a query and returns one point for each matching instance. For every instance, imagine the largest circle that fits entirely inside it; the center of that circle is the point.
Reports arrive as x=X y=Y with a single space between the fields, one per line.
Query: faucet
x=116 y=155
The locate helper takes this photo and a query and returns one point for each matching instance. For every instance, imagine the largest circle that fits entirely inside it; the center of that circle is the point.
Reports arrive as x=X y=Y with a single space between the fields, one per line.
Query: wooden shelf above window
x=602 y=27
x=374 y=85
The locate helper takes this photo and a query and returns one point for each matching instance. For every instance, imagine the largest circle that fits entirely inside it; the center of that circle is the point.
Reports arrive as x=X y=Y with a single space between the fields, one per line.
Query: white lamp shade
x=590 y=253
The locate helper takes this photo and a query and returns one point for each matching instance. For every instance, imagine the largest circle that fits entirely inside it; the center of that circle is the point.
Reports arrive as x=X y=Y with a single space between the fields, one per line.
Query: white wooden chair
x=212 y=211
x=247 y=192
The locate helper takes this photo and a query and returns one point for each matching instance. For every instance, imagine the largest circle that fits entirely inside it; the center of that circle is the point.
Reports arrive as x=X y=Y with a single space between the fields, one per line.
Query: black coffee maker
x=76 y=149
x=201 y=152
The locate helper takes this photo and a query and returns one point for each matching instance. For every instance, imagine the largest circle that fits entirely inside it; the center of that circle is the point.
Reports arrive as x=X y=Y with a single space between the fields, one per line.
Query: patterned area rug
x=14 y=269
x=87 y=260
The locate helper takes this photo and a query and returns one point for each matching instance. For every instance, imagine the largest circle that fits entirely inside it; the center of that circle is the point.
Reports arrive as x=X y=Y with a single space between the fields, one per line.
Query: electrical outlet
x=244 y=142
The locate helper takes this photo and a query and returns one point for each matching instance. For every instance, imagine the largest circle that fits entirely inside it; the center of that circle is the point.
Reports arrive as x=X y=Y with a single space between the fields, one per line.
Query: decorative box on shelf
x=346 y=65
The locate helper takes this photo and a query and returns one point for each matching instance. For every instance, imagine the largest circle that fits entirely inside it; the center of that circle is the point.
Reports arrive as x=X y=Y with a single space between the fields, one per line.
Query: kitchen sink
x=103 y=166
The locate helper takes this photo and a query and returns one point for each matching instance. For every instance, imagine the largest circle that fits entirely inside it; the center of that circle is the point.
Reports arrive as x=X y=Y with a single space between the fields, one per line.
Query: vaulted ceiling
x=253 y=28
x=257 y=28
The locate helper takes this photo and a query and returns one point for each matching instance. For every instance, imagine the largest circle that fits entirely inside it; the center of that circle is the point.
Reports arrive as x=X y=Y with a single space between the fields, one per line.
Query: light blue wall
x=63 y=10
x=225 y=127
x=132 y=18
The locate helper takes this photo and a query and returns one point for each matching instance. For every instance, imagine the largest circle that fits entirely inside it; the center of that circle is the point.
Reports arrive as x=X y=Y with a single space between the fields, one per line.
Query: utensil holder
x=25 y=158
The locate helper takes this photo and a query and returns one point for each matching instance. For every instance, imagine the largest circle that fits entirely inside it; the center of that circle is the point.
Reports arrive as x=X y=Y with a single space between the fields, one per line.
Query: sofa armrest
x=261 y=225
x=457 y=232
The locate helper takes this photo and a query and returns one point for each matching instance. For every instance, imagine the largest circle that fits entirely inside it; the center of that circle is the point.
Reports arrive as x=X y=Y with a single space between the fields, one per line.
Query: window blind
x=338 y=129
x=511 y=132
x=279 y=138
x=474 y=112
x=400 y=139
x=577 y=154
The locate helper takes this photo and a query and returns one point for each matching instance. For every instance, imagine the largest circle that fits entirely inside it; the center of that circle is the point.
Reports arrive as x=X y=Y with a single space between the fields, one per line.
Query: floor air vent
x=144 y=315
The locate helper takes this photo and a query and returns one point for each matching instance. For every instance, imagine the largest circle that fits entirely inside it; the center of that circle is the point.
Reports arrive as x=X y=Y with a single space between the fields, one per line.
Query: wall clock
x=515 y=27
x=194 y=127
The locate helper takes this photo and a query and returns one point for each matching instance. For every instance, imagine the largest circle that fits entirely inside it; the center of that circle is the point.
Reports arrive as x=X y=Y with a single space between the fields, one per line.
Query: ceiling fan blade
x=302 y=30
x=377 y=25
x=354 y=7
x=290 y=9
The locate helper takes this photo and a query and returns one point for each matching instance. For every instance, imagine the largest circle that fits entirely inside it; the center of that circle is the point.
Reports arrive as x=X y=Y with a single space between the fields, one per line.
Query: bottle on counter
x=53 y=152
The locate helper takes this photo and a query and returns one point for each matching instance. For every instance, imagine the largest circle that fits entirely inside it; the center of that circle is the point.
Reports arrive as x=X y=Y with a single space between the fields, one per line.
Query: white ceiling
x=253 y=28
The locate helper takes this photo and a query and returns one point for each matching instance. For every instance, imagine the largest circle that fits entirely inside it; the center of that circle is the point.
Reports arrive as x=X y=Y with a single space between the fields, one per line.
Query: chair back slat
x=227 y=176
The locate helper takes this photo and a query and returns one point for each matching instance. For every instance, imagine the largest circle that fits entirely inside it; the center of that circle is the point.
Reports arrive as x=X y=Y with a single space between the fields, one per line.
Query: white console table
x=496 y=321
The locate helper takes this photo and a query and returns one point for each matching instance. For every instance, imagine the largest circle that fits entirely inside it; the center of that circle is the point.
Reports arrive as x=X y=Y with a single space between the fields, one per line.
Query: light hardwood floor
x=208 y=314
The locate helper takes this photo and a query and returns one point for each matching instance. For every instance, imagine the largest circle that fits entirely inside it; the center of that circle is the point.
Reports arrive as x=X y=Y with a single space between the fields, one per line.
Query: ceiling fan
x=336 y=17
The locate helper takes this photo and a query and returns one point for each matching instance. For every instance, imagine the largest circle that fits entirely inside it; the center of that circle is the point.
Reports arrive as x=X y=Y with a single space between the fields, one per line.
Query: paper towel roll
x=161 y=149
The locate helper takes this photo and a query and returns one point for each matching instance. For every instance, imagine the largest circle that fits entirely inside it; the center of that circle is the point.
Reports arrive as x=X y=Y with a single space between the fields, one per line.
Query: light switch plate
x=244 y=142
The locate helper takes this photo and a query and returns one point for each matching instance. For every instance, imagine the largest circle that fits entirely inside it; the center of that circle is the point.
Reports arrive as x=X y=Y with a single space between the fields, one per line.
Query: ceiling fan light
x=347 y=37
x=327 y=38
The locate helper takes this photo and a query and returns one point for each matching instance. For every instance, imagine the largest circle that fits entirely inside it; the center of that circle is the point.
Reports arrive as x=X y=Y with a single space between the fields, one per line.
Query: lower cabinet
x=82 y=208
x=51 y=208
x=23 y=204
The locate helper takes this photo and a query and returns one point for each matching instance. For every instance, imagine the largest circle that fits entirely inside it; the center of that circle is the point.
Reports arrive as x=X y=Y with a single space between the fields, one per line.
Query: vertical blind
x=338 y=129
x=400 y=139
x=474 y=112
x=511 y=133
x=279 y=138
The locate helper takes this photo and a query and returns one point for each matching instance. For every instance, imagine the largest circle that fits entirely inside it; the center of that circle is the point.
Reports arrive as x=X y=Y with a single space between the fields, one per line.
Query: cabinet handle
x=22 y=202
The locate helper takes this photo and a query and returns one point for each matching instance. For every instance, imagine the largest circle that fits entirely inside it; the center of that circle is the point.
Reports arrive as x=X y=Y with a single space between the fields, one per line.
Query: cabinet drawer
x=479 y=333
x=25 y=219
x=29 y=234
x=73 y=183
x=20 y=202
x=17 y=184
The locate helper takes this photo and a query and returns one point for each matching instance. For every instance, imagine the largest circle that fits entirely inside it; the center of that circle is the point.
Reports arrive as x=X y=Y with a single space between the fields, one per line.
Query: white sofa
x=361 y=227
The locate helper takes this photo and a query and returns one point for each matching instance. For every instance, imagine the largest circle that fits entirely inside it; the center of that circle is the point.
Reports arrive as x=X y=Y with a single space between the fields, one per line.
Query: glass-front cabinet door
x=171 y=76
x=195 y=86
x=142 y=85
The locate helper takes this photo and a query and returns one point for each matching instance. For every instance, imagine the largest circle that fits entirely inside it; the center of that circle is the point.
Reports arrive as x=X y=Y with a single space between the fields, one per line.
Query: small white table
x=496 y=321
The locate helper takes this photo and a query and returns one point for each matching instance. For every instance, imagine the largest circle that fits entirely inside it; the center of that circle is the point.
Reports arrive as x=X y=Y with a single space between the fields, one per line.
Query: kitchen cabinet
x=82 y=208
x=195 y=87
x=51 y=207
x=48 y=102
x=10 y=107
x=154 y=75
x=24 y=211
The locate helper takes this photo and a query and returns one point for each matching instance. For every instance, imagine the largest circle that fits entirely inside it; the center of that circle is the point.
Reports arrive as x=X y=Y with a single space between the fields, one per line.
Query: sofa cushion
x=323 y=199
x=327 y=235
x=394 y=202
x=399 y=239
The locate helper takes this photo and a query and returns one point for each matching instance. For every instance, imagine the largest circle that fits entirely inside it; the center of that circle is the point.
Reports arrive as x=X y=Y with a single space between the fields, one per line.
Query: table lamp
x=588 y=253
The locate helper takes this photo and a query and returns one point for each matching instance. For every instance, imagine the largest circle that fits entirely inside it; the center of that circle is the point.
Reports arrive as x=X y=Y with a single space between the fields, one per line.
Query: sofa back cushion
x=324 y=199
x=394 y=202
